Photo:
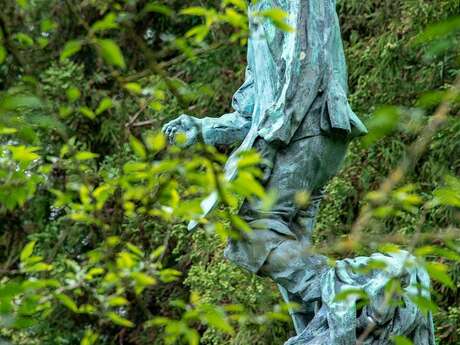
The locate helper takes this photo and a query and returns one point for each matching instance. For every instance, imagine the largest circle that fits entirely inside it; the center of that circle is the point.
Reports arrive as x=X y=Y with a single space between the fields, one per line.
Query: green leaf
x=73 y=94
x=90 y=338
x=249 y=159
x=438 y=30
x=157 y=253
x=138 y=147
x=70 y=49
x=47 y=25
x=449 y=195
x=275 y=13
x=87 y=112
x=68 y=302
x=7 y=130
x=39 y=267
x=134 y=88
x=425 y=304
x=351 y=294
x=105 y=104
x=23 y=153
x=199 y=32
x=95 y=271
x=382 y=123
x=169 y=275
x=118 y=320
x=438 y=271
x=216 y=318
x=125 y=260
x=107 y=23
x=158 y=8
x=23 y=3
x=42 y=42
x=156 y=142
x=192 y=336
x=400 y=340
x=195 y=11
x=117 y=301
x=85 y=155
x=24 y=39
x=247 y=185
x=136 y=250
x=3 y=54
x=277 y=17
x=27 y=251
x=111 y=52
x=20 y=101
x=143 y=279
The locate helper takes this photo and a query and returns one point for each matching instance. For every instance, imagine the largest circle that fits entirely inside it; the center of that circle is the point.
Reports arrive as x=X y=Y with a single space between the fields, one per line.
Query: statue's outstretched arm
x=233 y=127
x=225 y=130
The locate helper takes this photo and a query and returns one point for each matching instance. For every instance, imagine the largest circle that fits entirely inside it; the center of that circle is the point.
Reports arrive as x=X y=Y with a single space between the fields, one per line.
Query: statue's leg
x=304 y=225
x=302 y=313
x=279 y=245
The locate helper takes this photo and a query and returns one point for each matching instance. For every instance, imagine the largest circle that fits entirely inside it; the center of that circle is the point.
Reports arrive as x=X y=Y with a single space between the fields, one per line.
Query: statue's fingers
x=171 y=129
x=172 y=135
x=165 y=127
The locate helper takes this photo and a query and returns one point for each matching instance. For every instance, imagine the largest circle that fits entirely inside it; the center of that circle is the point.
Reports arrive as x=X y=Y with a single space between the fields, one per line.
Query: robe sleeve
x=233 y=127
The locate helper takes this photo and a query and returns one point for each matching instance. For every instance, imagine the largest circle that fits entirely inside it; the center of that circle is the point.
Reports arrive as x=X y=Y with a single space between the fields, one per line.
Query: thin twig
x=144 y=123
x=137 y=114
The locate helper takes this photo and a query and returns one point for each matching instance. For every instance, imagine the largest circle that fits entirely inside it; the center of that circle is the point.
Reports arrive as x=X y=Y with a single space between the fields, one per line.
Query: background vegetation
x=93 y=247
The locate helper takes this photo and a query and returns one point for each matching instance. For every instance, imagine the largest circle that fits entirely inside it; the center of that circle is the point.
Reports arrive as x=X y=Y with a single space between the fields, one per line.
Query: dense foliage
x=93 y=202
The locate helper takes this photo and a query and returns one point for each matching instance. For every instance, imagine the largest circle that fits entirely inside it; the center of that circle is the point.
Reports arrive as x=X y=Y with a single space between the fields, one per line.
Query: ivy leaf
x=111 y=53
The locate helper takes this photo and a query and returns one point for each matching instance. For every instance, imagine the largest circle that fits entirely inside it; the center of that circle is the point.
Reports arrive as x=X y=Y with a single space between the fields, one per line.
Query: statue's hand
x=186 y=124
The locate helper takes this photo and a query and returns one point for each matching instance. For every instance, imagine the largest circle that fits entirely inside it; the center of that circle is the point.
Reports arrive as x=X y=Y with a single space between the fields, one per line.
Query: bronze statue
x=293 y=109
